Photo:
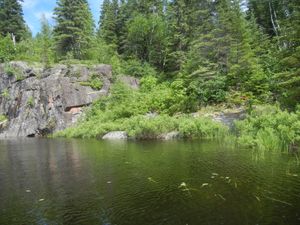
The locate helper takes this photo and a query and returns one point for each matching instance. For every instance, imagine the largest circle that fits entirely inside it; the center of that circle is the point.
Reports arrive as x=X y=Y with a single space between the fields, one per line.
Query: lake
x=58 y=181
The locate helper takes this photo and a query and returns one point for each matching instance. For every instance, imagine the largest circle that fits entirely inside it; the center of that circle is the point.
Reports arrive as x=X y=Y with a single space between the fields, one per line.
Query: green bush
x=2 y=118
x=7 y=49
x=94 y=82
x=126 y=109
x=270 y=128
x=136 y=68
x=13 y=71
x=144 y=127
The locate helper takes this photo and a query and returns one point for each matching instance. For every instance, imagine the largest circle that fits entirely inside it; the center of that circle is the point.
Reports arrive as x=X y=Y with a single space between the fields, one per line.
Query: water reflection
x=44 y=181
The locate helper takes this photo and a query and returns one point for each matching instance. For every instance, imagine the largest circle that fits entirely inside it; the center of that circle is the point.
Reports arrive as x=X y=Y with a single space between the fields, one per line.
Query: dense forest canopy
x=210 y=51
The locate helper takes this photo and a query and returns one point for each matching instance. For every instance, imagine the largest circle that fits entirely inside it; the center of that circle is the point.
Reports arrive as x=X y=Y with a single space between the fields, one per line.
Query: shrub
x=7 y=49
x=134 y=67
x=30 y=102
x=94 y=82
x=13 y=71
x=270 y=128
x=2 y=118
x=5 y=94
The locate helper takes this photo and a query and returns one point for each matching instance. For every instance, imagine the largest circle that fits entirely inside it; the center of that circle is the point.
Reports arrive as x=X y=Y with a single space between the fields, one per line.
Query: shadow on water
x=57 y=181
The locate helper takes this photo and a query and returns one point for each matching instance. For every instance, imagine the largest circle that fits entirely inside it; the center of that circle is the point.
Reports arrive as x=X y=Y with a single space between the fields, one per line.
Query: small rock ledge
x=38 y=101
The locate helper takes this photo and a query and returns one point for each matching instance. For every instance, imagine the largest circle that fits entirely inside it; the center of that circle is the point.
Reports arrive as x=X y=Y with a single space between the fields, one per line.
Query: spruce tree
x=245 y=73
x=288 y=76
x=11 y=19
x=108 y=22
x=178 y=22
x=45 y=39
x=74 y=28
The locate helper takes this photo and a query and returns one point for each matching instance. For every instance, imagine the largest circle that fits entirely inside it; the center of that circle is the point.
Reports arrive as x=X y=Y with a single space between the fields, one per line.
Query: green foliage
x=2 y=118
x=10 y=70
x=30 y=102
x=74 y=28
x=5 y=94
x=127 y=109
x=94 y=82
x=147 y=39
x=11 y=19
x=136 y=68
x=270 y=129
x=108 y=22
x=45 y=41
x=7 y=49
x=144 y=127
x=206 y=85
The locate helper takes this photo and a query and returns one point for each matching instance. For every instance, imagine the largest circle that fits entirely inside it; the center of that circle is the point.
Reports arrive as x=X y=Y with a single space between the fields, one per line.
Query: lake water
x=49 y=181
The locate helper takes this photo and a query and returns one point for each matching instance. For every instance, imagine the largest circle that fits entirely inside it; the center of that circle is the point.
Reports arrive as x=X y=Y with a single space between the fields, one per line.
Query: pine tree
x=245 y=71
x=288 y=77
x=45 y=39
x=178 y=22
x=11 y=19
x=74 y=28
x=108 y=22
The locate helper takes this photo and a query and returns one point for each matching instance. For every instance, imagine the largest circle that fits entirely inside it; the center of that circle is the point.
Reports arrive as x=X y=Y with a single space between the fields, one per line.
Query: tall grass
x=144 y=127
x=269 y=128
x=266 y=128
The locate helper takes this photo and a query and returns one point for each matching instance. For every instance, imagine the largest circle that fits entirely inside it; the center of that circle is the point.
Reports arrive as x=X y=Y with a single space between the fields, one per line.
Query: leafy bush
x=144 y=127
x=270 y=128
x=134 y=67
x=208 y=91
x=126 y=109
x=94 y=82
x=2 y=118
x=7 y=49
x=13 y=71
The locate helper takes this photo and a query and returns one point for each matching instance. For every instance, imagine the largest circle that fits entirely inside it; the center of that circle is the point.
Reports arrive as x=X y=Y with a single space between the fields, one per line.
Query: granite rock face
x=38 y=101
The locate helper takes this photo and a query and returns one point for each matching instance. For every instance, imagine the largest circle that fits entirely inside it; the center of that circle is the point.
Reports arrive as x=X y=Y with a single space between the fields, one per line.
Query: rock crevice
x=38 y=101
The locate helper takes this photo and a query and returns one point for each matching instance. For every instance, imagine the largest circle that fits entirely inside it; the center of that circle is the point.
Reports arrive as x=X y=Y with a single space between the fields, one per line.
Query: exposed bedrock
x=38 y=101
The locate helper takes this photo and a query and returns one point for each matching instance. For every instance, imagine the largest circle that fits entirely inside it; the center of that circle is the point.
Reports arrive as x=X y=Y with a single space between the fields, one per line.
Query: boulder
x=40 y=101
x=170 y=136
x=229 y=118
x=115 y=135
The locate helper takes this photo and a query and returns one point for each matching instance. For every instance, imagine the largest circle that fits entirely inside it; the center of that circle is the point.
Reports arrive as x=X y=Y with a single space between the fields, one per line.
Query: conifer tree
x=108 y=21
x=178 y=23
x=11 y=19
x=74 y=28
x=288 y=76
x=45 y=39
x=147 y=38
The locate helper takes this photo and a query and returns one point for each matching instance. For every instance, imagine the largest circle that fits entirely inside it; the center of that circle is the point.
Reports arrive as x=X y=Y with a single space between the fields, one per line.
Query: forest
x=188 y=54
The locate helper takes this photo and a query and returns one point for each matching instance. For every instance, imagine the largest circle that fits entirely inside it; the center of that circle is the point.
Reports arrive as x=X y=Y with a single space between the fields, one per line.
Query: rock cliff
x=36 y=101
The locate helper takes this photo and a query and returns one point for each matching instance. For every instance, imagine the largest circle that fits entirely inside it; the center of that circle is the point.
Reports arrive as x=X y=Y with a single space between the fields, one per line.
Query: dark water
x=147 y=183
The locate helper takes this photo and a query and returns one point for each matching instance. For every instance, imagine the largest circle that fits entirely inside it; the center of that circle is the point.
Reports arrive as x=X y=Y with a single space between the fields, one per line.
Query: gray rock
x=130 y=81
x=151 y=115
x=170 y=136
x=46 y=100
x=115 y=135
x=229 y=118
